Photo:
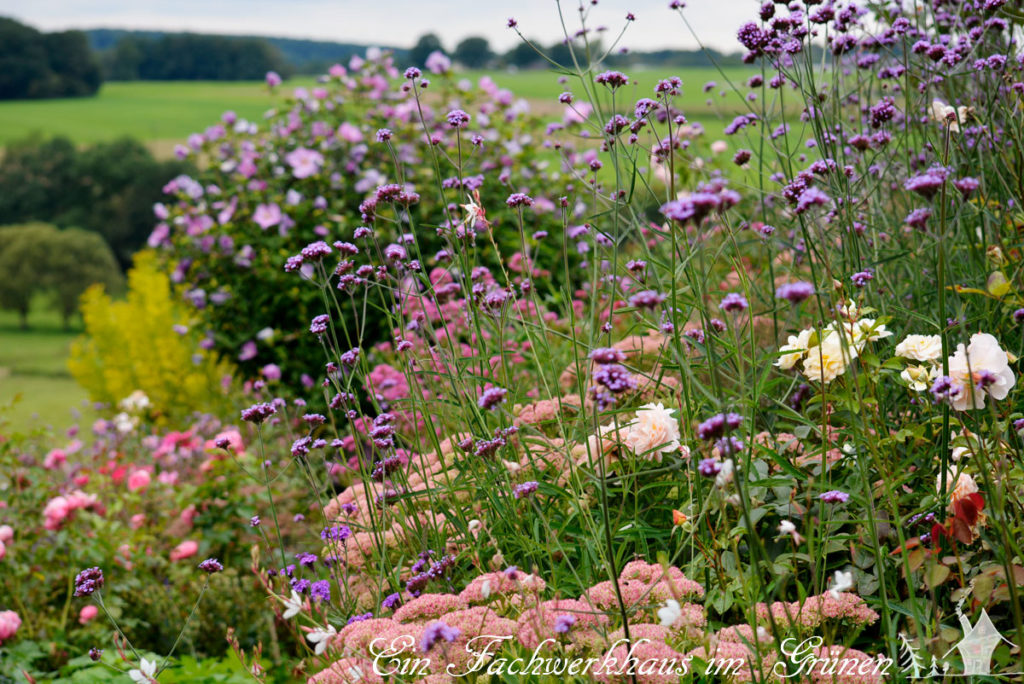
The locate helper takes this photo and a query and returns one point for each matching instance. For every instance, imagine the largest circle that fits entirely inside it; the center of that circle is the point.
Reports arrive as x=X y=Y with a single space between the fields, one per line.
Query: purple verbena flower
x=211 y=565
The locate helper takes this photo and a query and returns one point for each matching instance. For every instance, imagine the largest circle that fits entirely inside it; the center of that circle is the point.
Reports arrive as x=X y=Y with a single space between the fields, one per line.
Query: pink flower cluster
x=60 y=508
x=816 y=609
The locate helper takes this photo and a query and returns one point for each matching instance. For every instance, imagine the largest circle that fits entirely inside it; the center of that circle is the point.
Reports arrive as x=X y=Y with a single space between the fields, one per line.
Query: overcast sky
x=396 y=22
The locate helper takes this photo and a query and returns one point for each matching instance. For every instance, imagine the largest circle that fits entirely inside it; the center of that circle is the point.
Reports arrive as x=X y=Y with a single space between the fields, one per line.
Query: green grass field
x=34 y=375
x=163 y=113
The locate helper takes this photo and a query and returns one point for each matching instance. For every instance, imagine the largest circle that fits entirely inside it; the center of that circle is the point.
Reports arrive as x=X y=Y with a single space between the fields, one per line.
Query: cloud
x=398 y=22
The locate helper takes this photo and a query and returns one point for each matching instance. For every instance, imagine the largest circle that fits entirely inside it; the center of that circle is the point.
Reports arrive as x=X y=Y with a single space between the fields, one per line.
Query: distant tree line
x=108 y=188
x=153 y=55
x=475 y=52
x=301 y=56
x=192 y=57
x=37 y=65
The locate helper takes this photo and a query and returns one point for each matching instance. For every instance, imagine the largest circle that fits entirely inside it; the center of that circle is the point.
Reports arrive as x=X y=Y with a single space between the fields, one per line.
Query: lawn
x=149 y=111
x=33 y=372
x=163 y=113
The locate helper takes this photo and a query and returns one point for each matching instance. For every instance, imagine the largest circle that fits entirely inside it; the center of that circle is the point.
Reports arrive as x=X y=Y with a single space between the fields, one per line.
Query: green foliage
x=37 y=65
x=108 y=188
x=193 y=57
x=37 y=258
x=473 y=52
x=132 y=345
x=195 y=494
x=161 y=112
x=426 y=44
x=78 y=260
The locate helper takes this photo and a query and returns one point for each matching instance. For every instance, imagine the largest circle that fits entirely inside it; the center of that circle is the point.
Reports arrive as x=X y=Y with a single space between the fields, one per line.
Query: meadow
x=165 y=113
x=36 y=388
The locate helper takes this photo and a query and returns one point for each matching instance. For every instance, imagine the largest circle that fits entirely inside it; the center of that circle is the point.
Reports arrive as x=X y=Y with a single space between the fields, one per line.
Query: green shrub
x=37 y=257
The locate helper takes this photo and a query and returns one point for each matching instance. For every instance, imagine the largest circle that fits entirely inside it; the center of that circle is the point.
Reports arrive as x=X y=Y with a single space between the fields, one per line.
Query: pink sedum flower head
x=982 y=368
x=653 y=433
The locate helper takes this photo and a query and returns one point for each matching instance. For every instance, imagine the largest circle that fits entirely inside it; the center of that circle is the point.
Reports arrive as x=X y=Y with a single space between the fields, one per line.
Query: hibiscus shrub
x=323 y=165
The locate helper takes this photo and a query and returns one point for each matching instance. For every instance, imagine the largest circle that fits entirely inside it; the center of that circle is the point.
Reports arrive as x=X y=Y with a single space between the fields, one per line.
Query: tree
x=23 y=253
x=523 y=55
x=109 y=188
x=473 y=52
x=423 y=47
x=34 y=64
x=78 y=260
x=37 y=258
x=910 y=658
x=74 y=63
x=561 y=54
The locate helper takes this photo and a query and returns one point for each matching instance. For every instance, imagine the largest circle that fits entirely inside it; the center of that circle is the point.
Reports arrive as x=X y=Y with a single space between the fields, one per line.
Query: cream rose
x=918 y=378
x=654 y=432
x=796 y=346
x=920 y=348
x=982 y=368
x=828 y=360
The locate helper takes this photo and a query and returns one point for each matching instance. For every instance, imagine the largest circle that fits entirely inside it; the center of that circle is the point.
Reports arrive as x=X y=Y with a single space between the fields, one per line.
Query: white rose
x=982 y=360
x=920 y=348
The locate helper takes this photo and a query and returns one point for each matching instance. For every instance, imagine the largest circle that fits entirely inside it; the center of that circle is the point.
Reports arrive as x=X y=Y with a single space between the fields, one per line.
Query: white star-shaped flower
x=843 y=581
x=320 y=637
x=145 y=673
x=293 y=605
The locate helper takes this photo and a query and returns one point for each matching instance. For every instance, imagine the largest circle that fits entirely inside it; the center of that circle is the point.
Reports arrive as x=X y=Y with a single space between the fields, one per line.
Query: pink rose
x=6 y=533
x=138 y=480
x=3 y=550
x=9 y=624
x=138 y=520
x=56 y=511
x=185 y=549
x=54 y=459
x=87 y=613
x=79 y=499
x=168 y=477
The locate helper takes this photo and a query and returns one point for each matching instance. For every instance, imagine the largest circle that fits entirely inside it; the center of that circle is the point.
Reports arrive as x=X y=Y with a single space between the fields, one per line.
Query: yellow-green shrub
x=132 y=345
